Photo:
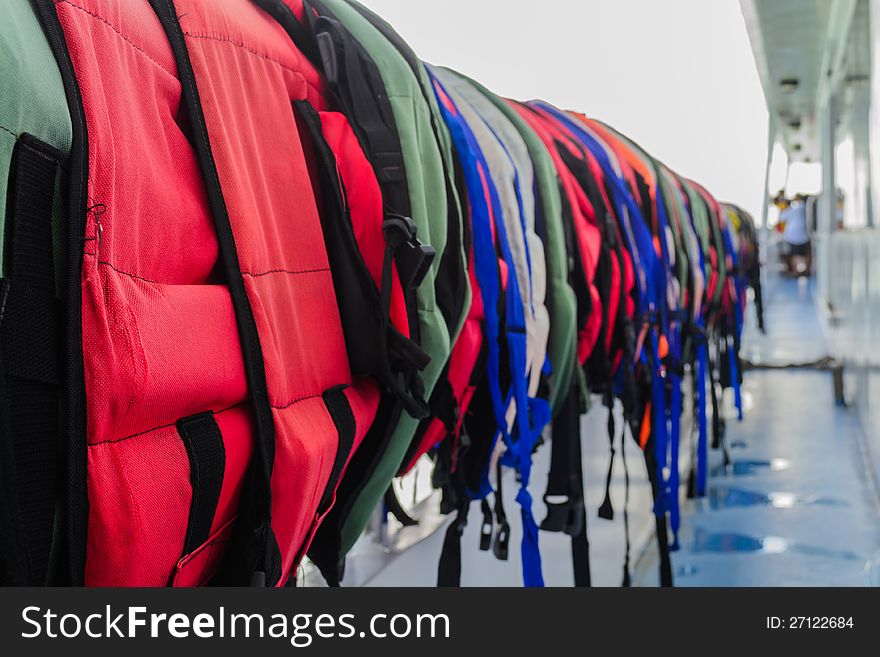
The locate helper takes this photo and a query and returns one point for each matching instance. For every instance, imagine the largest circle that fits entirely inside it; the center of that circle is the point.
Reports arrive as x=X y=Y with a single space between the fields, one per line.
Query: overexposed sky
x=678 y=76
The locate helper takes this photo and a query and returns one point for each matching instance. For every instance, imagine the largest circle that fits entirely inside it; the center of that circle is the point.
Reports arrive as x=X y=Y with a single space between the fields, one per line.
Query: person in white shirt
x=797 y=237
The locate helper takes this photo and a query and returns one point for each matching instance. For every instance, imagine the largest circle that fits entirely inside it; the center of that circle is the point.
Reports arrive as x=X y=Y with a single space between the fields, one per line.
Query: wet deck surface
x=796 y=506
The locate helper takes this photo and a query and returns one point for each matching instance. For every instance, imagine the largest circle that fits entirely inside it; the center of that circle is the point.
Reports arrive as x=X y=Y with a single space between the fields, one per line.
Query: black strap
x=692 y=472
x=580 y=545
x=501 y=544
x=627 y=580
x=449 y=566
x=343 y=418
x=253 y=554
x=71 y=536
x=564 y=497
x=487 y=526
x=451 y=274
x=207 y=464
x=375 y=347
x=360 y=90
x=395 y=508
x=299 y=33
x=30 y=353
x=719 y=427
x=660 y=521
x=606 y=510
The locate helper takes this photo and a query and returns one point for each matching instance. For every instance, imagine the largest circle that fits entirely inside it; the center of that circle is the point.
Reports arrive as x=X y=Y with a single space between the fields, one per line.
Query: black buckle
x=502 y=542
x=486 y=527
x=556 y=519
x=327 y=49
x=564 y=517
x=413 y=258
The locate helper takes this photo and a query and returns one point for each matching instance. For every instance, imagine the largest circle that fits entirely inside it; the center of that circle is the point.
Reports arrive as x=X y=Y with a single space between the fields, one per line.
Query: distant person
x=797 y=237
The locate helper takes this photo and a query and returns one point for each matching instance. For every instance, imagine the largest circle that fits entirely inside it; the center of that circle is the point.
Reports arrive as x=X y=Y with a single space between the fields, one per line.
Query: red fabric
x=249 y=73
x=585 y=230
x=564 y=135
x=159 y=334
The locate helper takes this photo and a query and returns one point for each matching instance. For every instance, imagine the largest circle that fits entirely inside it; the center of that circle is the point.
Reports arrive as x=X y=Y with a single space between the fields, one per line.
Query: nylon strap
x=30 y=351
x=207 y=463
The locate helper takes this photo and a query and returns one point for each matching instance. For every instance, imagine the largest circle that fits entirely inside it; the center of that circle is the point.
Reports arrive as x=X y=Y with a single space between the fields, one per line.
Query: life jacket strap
x=30 y=368
x=395 y=508
x=486 y=527
x=564 y=497
x=606 y=510
x=501 y=544
x=449 y=566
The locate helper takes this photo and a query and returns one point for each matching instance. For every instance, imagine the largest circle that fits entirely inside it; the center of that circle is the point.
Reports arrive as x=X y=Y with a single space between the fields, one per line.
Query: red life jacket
x=586 y=233
x=220 y=408
x=613 y=280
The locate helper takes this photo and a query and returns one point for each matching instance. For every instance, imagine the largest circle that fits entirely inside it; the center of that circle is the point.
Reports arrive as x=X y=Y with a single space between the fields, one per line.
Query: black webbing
x=30 y=355
x=718 y=424
x=449 y=566
x=486 y=526
x=207 y=464
x=627 y=581
x=301 y=36
x=564 y=497
x=395 y=508
x=501 y=544
x=662 y=531
x=606 y=510
x=580 y=545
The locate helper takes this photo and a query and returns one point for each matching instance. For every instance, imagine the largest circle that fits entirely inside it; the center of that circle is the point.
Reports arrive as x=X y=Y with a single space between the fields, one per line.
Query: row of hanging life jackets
x=259 y=259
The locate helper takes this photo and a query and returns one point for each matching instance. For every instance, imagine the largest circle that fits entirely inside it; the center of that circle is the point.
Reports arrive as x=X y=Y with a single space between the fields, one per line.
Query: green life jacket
x=35 y=140
x=426 y=154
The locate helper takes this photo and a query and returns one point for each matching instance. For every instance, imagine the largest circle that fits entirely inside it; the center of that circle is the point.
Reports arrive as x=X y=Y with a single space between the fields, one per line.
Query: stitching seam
x=161 y=426
x=115 y=29
x=244 y=273
x=285 y=271
x=269 y=58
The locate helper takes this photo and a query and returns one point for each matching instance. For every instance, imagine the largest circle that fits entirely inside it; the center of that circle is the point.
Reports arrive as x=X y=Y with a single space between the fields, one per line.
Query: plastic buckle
x=556 y=519
x=327 y=50
x=502 y=542
x=575 y=523
x=486 y=528
x=413 y=258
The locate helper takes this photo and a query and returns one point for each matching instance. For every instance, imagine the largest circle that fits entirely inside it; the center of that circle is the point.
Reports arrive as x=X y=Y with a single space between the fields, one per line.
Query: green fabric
x=32 y=99
x=446 y=152
x=560 y=301
x=676 y=214
x=709 y=234
x=701 y=225
x=427 y=189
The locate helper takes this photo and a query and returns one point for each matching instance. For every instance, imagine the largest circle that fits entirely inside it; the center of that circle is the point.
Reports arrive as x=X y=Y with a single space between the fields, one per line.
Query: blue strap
x=485 y=257
x=661 y=442
x=738 y=321
x=702 y=419
x=672 y=328
x=675 y=445
x=532 y=414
